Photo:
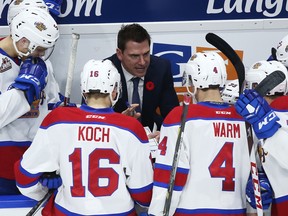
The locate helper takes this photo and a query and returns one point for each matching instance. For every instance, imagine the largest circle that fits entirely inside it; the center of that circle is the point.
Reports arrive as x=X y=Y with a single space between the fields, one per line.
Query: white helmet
x=205 y=70
x=101 y=76
x=260 y=70
x=38 y=26
x=230 y=93
x=282 y=51
x=16 y=6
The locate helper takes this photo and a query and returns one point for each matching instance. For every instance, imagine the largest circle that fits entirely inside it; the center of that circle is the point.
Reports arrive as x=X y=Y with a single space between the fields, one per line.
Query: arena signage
x=110 y=11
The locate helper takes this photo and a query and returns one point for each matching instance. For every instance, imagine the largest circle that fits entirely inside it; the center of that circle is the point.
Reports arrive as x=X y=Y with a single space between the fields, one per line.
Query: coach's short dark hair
x=132 y=32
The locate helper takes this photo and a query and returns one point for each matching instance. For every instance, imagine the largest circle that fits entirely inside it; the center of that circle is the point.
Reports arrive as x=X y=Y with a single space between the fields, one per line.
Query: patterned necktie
x=135 y=94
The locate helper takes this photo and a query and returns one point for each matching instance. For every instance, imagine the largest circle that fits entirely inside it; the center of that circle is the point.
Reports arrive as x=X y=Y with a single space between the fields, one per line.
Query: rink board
x=16 y=205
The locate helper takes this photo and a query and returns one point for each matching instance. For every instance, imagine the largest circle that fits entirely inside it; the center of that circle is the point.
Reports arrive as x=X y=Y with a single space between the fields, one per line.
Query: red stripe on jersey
x=279 y=209
x=163 y=176
x=280 y=103
x=144 y=198
x=107 y=117
x=9 y=156
x=203 y=111
x=21 y=178
x=208 y=214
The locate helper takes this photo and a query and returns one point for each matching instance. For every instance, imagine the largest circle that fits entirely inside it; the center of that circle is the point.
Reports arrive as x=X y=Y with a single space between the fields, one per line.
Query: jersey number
x=95 y=173
x=222 y=167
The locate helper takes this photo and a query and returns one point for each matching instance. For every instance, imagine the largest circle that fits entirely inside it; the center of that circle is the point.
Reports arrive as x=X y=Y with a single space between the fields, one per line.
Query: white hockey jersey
x=275 y=159
x=213 y=164
x=103 y=158
x=19 y=121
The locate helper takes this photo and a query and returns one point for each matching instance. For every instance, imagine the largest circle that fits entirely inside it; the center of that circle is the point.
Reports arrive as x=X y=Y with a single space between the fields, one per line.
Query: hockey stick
x=75 y=38
x=40 y=203
x=179 y=141
x=230 y=53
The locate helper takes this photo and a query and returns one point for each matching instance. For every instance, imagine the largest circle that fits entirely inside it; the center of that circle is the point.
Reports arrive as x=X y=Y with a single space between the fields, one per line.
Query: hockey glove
x=54 y=6
x=51 y=180
x=32 y=78
x=266 y=191
x=254 y=109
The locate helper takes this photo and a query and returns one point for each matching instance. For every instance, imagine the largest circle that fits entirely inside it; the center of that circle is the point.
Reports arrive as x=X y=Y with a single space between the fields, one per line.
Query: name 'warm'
x=223 y=129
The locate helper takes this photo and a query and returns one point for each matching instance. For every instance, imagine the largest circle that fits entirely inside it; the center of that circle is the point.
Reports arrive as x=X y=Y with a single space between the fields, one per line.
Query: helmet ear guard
x=205 y=70
x=37 y=26
x=101 y=76
x=259 y=70
x=230 y=93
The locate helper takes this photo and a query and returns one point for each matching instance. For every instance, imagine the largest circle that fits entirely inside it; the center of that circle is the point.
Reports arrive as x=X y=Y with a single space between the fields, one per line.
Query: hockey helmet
x=259 y=70
x=282 y=51
x=204 y=70
x=101 y=76
x=38 y=26
x=16 y=6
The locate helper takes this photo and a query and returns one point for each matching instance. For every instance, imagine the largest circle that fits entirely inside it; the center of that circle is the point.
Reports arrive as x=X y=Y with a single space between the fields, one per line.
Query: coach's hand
x=130 y=111
x=32 y=78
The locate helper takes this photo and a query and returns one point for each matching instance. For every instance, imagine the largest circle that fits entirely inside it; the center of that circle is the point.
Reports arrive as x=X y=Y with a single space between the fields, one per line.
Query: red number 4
x=222 y=167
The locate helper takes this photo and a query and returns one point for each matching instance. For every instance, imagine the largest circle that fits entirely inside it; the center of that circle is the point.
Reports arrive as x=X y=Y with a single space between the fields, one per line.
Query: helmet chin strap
x=194 y=100
x=20 y=54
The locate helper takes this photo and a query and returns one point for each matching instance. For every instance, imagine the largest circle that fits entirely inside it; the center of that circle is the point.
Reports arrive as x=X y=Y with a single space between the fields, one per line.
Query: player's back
x=273 y=163
x=215 y=157
x=102 y=156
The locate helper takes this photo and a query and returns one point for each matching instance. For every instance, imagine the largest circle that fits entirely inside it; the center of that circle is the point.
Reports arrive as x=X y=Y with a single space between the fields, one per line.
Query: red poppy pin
x=150 y=86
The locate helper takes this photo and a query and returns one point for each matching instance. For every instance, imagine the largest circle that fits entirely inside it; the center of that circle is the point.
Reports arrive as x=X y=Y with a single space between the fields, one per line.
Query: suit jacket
x=158 y=91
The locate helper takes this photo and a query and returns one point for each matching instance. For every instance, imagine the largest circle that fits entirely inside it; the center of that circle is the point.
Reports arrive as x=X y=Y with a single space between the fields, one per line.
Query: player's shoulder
x=205 y=110
x=60 y=114
x=280 y=103
x=129 y=124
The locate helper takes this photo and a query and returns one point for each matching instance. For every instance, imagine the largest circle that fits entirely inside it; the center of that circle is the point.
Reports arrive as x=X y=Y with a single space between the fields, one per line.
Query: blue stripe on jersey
x=211 y=211
x=29 y=176
x=166 y=167
x=66 y=212
x=281 y=199
x=163 y=185
x=141 y=190
x=14 y=143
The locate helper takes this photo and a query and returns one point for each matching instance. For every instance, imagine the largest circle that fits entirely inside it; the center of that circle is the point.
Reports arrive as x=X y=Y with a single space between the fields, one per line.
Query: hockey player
x=23 y=103
x=103 y=157
x=213 y=163
x=271 y=127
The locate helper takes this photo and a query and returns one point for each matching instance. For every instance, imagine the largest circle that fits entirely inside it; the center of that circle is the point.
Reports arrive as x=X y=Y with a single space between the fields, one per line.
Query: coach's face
x=135 y=58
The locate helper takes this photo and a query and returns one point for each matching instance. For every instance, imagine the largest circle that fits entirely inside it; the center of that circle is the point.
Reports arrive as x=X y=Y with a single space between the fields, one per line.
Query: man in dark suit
x=156 y=88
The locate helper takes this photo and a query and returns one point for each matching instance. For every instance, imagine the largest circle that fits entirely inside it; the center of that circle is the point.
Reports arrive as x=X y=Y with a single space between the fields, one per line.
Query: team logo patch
x=5 y=65
x=262 y=153
x=40 y=26
x=34 y=111
x=17 y=2
x=257 y=65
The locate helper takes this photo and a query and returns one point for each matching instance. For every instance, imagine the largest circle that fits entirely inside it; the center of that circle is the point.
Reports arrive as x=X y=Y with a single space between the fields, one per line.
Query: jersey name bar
x=222 y=129
x=98 y=134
